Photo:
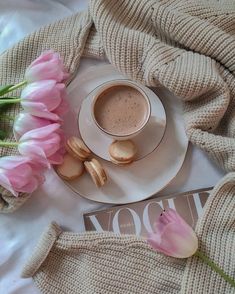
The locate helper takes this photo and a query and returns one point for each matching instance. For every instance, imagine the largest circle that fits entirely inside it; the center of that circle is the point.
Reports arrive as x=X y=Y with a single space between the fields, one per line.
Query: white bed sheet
x=20 y=231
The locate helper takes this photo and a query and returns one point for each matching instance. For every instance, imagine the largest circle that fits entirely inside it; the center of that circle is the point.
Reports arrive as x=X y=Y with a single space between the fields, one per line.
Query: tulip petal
x=34 y=152
x=4 y=182
x=39 y=110
x=30 y=147
x=45 y=56
x=30 y=186
x=172 y=216
x=11 y=162
x=51 y=145
x=156 y=245
x=18 y=181
x=56 y=158
x=40 y=132
x=38 y=168
x=48 y=66
x=45 y=71
x=23 y=171
x=46 y=92
x=62 y=109
x=168 y=216
x=173 y=236
x=20 y=174
x=26 y=122
x=179 y=242
x=40 y=178
x=32 y=89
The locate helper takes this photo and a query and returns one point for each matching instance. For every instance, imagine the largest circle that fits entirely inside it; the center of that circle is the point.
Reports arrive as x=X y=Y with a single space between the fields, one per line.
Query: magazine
x=138 y=218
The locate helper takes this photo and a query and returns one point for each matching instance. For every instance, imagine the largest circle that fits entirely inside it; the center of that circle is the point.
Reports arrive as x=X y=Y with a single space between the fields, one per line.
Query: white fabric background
x=20 y=231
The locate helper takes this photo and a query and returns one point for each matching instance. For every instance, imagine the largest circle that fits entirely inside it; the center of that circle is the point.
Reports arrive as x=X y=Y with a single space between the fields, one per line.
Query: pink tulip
x=26 y=122
x=48 y=66
x=58 y=157
x=45 y=99
x=63 y=108
x=20 y=174
x=42 y=145
x=173 y=236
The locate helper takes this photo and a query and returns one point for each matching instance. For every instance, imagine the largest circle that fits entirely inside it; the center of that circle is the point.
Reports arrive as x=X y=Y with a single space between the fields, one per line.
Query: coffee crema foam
x=121 y=110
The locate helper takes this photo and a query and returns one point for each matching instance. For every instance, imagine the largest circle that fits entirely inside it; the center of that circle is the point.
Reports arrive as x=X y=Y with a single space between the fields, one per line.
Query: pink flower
x=48 y=66
x=45 y=99
x=26 y=122
x=58 y=157
x=20 y=174
x=63 y=108
x=43 y=145
x=173 y=236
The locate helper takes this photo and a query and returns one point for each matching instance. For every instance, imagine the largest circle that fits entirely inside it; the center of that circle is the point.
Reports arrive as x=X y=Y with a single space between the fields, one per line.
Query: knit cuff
x=10 y=203
x=43 y=248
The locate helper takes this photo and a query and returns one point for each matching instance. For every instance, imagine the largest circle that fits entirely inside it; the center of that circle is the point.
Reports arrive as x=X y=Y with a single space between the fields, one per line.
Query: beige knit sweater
x=187 y=46
x=104 y=263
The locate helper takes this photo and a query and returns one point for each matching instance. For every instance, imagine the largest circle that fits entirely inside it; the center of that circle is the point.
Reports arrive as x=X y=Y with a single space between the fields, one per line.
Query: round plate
x=142 y=178
x=146 y=141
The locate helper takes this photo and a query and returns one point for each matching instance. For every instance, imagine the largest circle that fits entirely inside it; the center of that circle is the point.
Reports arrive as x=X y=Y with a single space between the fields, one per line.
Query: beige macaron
x=70 y=169
x=96 y=171
x=122 y=152
x=77 y=148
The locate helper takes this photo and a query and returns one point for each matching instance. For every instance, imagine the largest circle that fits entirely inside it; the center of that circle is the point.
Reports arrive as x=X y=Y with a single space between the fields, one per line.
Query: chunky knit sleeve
x=70 y=263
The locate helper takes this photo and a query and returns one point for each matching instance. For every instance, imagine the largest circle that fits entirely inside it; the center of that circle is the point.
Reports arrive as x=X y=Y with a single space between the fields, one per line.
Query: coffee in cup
x=121 y=109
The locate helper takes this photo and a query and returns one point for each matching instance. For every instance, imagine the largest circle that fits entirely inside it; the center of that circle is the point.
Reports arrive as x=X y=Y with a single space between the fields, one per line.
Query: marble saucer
x=146 y=141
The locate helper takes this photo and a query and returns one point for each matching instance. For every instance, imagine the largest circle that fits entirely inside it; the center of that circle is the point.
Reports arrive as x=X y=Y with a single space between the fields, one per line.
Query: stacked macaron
x=76 y=159
x=77 y=148
x=96 y=171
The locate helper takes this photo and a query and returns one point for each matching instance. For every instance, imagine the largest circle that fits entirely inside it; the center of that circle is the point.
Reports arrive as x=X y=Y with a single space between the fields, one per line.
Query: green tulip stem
x=215 y=268
x=11 y=100
x=21 y=84
x=8 y=144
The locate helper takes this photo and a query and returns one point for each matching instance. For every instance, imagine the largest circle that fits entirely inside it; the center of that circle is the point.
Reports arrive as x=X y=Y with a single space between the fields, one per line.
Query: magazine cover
x=138 y=218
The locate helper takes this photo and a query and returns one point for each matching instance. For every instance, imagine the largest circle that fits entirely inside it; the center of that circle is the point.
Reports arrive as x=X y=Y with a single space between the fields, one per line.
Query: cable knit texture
x=189 y=47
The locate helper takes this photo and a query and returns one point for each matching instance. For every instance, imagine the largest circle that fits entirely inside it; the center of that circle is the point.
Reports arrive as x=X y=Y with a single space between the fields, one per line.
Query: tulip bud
x=173 y=236
x=48 y=66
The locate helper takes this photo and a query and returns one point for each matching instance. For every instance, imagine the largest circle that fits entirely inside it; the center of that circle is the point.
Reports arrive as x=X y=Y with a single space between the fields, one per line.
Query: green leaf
x=5 y=89
x=2 y=135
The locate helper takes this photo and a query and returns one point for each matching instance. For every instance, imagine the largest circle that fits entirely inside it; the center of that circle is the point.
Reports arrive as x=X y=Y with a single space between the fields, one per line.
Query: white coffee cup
x=119 y=103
